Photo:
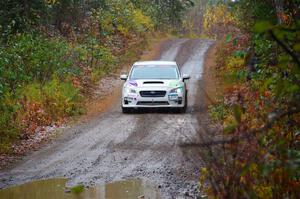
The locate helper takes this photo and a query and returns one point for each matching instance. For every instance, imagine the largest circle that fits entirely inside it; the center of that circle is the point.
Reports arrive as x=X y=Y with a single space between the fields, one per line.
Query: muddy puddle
x=56 y=188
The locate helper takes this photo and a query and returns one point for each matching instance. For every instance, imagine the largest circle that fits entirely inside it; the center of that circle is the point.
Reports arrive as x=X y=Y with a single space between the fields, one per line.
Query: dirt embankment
x=211 y=82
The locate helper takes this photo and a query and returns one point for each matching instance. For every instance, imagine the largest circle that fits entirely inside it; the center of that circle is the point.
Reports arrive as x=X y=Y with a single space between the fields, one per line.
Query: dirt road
x=116 y=146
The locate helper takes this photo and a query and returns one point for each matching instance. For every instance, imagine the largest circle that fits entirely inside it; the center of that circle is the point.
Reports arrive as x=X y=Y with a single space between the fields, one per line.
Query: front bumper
x=137 y=101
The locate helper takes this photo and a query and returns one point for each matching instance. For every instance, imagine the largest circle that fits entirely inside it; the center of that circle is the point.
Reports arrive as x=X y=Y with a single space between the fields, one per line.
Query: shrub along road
x=115 y=146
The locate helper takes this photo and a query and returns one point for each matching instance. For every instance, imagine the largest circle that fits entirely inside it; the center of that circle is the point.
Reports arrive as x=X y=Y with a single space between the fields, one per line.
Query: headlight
x=129 y=90
x=176 y=90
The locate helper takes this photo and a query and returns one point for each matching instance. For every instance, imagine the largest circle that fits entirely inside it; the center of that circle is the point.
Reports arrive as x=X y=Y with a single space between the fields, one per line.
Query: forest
x=52 y=52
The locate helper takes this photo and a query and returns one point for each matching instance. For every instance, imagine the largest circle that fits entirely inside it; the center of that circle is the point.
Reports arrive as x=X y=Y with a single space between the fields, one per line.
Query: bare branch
x=286 y=48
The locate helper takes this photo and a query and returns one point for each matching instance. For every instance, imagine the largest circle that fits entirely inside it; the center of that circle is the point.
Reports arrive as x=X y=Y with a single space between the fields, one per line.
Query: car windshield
x=154 y=72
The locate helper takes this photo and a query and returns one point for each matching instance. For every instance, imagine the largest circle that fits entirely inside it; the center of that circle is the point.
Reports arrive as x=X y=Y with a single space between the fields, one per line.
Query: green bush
x=98 y=58
x=218 y=111
x=123 y=17
x=58 y=99
x=9 y=130
x=26 y=58
x=34 y=73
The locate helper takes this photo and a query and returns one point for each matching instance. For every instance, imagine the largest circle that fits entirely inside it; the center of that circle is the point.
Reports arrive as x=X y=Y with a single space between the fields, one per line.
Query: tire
x=183 y=109
x=126 y=110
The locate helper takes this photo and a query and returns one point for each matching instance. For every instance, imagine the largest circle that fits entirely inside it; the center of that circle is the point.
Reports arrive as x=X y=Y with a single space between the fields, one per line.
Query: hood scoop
x=153 y=82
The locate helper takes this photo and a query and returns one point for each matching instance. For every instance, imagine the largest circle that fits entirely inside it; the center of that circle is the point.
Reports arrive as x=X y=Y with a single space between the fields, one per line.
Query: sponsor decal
x=173 y=83
x=133 y=83
x=181 y=87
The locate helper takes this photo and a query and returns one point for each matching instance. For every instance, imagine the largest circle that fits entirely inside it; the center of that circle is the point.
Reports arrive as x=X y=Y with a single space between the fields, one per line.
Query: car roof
x=151 y=63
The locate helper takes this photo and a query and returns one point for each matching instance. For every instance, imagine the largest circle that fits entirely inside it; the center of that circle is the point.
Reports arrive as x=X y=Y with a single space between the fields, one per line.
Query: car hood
x=154 y=84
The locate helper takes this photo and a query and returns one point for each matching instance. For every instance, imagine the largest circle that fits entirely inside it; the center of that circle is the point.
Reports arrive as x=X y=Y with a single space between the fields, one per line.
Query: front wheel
x=126 y=110
x=183 y=109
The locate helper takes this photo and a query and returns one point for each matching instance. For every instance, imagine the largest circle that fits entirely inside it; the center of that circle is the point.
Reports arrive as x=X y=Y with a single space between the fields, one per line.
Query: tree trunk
x=279 y=10
x=26 y=8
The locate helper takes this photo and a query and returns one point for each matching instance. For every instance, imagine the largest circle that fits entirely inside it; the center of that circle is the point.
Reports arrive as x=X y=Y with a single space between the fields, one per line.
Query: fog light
x=128 y=100
x=179 y=100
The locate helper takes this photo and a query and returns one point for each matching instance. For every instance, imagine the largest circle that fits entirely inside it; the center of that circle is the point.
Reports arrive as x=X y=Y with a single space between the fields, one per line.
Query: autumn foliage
x=256 y=153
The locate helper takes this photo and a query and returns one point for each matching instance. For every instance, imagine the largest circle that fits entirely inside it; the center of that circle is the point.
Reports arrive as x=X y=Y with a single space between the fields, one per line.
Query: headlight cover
x=130 y=90
x=176 y=90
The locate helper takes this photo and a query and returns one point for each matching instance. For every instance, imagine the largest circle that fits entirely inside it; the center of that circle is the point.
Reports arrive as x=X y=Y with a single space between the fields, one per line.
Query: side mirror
x=123 y=77
x=185 y=77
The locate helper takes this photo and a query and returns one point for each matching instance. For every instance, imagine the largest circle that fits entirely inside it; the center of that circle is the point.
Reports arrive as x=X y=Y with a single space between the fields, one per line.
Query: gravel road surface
x=115 y=146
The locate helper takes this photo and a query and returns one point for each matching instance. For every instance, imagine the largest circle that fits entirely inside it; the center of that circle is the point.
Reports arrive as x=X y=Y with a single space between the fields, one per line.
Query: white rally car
x=154 y=84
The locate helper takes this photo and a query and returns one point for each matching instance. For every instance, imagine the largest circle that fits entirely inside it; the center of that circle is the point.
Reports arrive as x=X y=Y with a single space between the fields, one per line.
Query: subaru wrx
x=154 y=84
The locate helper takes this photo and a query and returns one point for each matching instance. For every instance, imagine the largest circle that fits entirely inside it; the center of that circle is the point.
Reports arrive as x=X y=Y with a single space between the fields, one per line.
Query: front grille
x=154 y=103
x=153 y=93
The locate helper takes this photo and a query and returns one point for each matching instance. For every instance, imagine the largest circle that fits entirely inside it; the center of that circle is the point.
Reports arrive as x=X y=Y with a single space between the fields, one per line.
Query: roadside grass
x=77 y=189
